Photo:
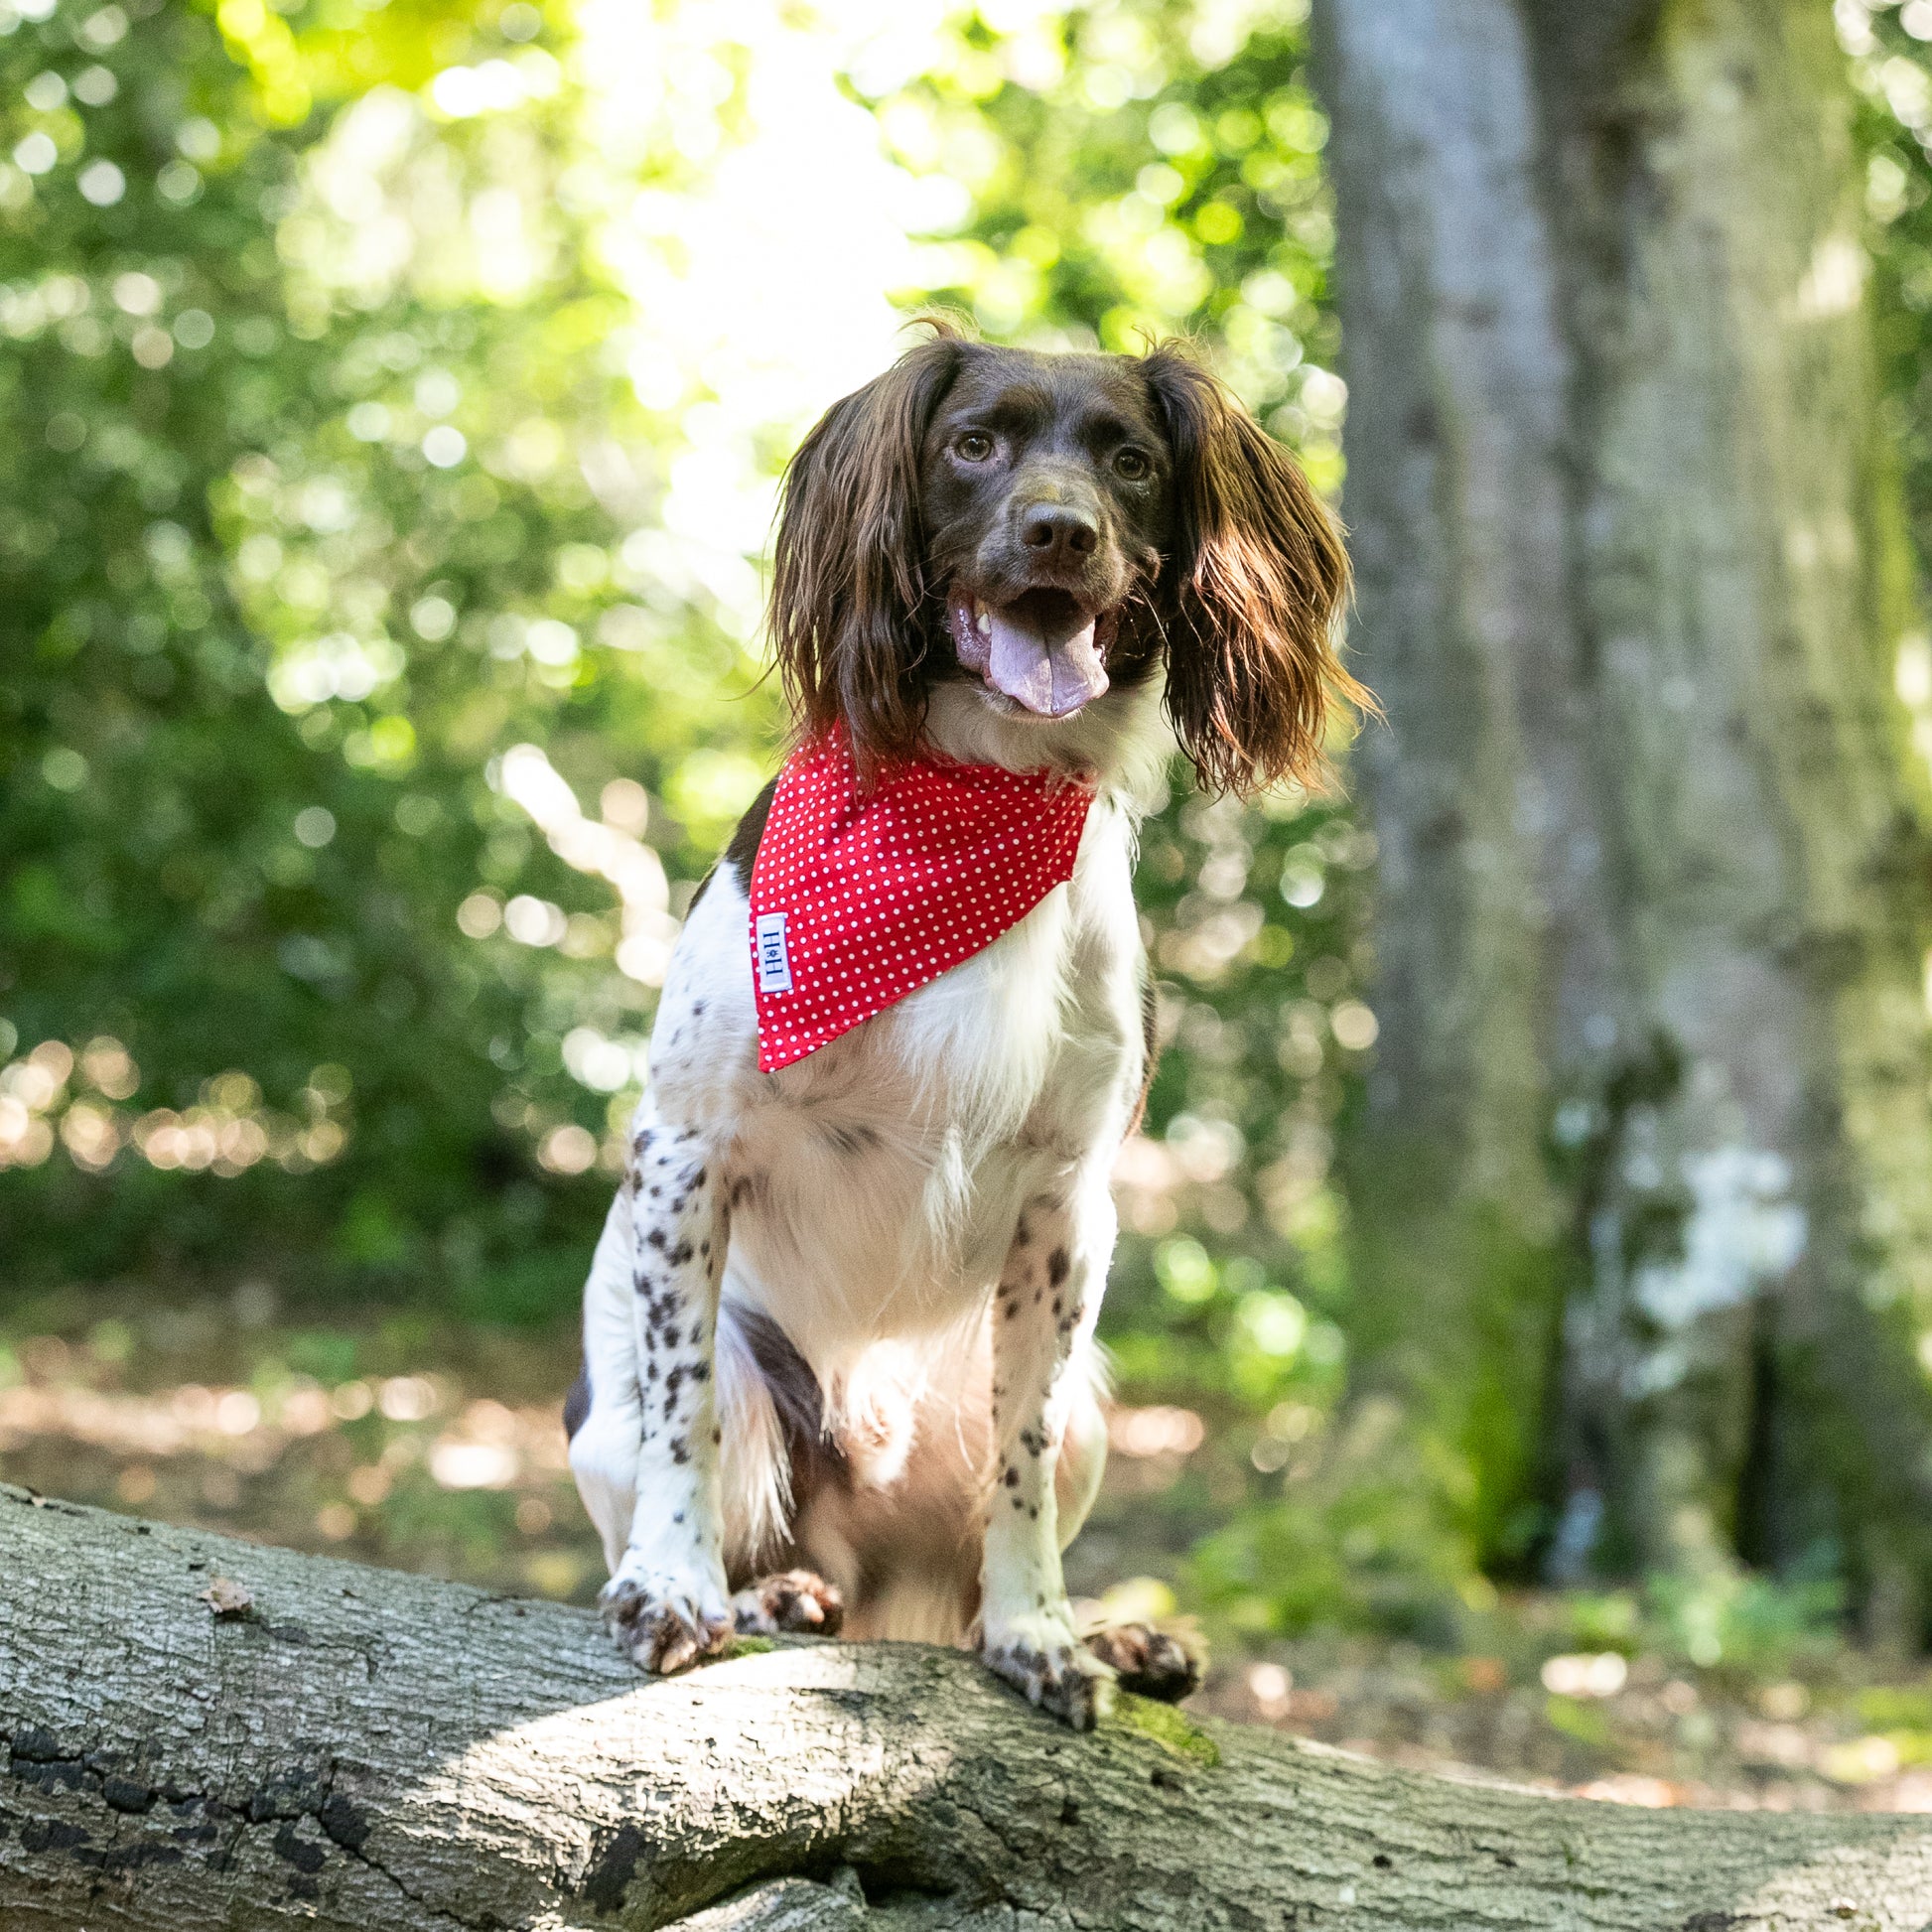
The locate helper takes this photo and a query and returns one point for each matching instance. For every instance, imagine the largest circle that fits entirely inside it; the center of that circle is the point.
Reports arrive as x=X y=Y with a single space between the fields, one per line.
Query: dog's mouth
x=1043 y=649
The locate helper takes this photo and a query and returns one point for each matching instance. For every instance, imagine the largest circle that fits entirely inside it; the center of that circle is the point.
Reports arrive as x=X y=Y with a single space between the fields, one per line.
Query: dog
x=839 y=1354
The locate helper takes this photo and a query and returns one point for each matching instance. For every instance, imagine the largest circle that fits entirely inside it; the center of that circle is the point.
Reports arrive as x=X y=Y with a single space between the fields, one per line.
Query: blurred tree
x=1645 y=1191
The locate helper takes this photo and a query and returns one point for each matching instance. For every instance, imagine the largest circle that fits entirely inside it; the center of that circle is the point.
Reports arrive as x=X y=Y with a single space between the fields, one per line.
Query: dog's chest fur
x=874 y=1188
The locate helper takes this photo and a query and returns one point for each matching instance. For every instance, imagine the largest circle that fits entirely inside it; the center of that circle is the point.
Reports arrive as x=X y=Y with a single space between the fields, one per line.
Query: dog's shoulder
x=704 y=1041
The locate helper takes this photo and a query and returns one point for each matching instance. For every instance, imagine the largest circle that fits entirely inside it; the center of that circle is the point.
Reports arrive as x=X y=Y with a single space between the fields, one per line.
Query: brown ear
x=1250 y=597
x=848 y=617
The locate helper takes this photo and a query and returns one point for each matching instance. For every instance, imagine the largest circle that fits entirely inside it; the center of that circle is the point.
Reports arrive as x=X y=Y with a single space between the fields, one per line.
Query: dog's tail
x=761 y=1429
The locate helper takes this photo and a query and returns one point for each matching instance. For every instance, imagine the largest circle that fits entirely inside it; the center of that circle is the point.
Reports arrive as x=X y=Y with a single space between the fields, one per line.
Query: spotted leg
x=667 y=1602
x=1049 y=1295
x=603 y=1412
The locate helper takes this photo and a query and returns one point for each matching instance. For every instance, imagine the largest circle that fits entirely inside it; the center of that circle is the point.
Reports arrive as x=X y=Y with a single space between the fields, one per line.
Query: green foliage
x=1137 y=170
x=1891 y=70
x=297 y=536
x=1744 y=1623
x=1893 y=77
x=1355 y=1536
x=1744 y=1626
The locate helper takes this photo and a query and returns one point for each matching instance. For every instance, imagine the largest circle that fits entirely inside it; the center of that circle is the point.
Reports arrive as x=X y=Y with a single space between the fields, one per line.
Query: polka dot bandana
x=858 y=901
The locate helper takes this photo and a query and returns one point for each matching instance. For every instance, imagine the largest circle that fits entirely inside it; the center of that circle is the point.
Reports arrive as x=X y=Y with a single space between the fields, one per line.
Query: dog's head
x=1053 y=528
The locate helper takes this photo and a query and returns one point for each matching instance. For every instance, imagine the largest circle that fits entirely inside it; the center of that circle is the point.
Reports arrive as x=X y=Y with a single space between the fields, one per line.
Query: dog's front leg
x=1049 y=1292
x=666 y=1602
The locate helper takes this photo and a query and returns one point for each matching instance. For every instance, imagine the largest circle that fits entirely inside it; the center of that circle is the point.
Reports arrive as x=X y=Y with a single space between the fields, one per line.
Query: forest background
x=396 y=396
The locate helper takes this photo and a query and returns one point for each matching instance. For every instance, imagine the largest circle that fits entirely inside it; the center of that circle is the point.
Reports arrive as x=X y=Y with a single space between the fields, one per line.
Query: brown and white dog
x=812 y=1339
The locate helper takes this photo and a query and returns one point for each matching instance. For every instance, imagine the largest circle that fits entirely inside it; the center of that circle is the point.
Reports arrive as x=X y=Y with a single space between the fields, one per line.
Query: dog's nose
x=1058 y=530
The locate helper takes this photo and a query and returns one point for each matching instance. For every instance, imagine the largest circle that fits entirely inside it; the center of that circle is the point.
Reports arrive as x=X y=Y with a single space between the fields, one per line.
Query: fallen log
x=205 y=1733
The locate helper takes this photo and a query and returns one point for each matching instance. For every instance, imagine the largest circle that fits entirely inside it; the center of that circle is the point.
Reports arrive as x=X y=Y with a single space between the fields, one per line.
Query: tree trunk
x=354 y=1749
x=1649 y=1236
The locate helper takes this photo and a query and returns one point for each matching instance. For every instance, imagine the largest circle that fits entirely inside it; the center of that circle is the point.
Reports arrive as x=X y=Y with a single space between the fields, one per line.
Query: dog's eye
x=1132 y=465
x=975 y=445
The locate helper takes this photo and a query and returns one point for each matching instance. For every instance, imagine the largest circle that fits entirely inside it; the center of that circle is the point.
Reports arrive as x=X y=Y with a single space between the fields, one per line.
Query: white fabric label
x=774 y=968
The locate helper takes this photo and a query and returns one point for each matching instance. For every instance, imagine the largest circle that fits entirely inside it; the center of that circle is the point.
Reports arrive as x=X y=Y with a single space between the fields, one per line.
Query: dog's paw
x=794 y=1602
x=665 y=1623
x=1148 y=1662
x=1041 y=1658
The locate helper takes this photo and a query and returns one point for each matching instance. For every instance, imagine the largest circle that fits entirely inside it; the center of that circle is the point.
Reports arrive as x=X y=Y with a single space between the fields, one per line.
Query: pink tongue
x=1052 y=679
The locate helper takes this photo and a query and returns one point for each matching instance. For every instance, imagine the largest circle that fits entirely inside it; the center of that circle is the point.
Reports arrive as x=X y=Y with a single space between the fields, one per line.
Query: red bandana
x=856 y=902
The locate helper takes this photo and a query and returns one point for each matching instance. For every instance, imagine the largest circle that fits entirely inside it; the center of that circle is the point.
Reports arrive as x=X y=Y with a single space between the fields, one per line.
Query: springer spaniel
x=838 y=1332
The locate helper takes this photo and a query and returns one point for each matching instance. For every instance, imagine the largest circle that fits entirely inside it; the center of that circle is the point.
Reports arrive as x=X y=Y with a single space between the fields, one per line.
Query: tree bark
x=354 y=1748
x=1643 y=1179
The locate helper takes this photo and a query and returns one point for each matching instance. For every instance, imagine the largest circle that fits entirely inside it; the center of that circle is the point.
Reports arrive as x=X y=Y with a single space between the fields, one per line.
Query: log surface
x=362 y=1748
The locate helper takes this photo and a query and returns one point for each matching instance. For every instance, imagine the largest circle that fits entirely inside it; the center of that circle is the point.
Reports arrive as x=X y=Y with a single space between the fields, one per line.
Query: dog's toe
x=1148 y=1662
x=794 y=1602
x=662 y=1631
x=1064 y=1677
